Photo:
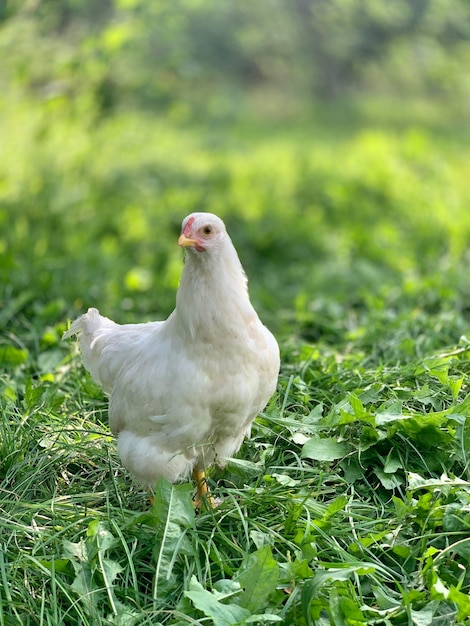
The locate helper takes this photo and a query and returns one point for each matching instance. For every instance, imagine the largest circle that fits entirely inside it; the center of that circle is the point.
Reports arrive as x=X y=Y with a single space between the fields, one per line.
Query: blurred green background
x=331 y=136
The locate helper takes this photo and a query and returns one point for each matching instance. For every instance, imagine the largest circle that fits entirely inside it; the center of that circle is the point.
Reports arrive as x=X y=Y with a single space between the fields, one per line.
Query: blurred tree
x=345 y=40
x=186 y=54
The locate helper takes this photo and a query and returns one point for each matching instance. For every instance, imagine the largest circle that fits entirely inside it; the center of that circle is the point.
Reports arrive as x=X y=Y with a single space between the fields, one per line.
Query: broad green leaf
x=284 y=479
x=402 y=509
x=324 y=449
x=344 y=610
x=260 y=539
x=455 y=384
x=104 y=539
x=402 y=551
x=294 y=570
x=352 y=469
x=334 y=507
x=174 y=502
x=9 y=393
x=84 y=584
x=12 y=356
x=265 y=618
x=340 y=572
x=226 y=587
x=373 y=538
x=385 y=599
x=464 y=407
x=125 y=616
x=389 y=481
x=243 y=467
x=427 y=429
x=358 y=409
x=424 y=617
x=392 y=464
x=258 y=575
x=56 y=565
x=455 y=518
x=171 y=543
x=382 y=419
x=462 y=548
x=110 y=569
x=462 y=600
x=433 y=364
x=440 y=589
x=77 y=550
x=211 y=605
x=32 y=395
x=174 y=509
x=415 y=481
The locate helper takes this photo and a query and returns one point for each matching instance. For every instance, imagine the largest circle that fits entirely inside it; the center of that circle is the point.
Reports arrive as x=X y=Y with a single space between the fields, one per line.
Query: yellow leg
x=151 y=496
x=202 y=494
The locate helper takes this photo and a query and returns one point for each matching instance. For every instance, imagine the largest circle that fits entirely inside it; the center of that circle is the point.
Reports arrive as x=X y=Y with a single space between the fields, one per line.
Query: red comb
x=188 y=225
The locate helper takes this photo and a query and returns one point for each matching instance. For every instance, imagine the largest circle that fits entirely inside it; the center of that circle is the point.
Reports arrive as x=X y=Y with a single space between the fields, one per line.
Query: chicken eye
x=207 y=230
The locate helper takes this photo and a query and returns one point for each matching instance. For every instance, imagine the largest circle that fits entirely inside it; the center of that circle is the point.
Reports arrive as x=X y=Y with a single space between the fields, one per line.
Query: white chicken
x=184 y=392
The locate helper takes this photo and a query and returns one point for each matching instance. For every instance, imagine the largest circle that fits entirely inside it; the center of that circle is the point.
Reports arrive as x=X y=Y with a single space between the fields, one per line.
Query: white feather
x=184 y=392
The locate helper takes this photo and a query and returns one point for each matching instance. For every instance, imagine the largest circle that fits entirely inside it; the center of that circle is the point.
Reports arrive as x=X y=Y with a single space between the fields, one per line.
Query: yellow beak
x=185 y=242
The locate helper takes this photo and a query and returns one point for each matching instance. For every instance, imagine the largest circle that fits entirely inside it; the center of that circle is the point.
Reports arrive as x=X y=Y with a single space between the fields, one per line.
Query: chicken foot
x=199 y=476
x=202 y=494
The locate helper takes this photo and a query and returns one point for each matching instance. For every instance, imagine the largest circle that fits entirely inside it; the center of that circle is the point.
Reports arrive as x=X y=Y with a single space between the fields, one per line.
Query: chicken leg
x=199 y=476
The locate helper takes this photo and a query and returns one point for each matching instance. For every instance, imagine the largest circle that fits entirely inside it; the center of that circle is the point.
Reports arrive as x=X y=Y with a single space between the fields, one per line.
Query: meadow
x=350 y=503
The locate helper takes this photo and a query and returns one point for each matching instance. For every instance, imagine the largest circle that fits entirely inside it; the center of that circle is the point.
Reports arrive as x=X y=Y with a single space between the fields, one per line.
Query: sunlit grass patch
x=351 y=499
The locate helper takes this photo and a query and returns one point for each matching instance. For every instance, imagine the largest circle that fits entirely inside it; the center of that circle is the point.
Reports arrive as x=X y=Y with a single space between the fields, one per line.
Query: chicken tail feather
x=92 y=330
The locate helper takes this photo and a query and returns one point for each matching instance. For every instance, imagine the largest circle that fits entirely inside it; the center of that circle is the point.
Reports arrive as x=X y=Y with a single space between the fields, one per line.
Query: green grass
x=350 y=504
